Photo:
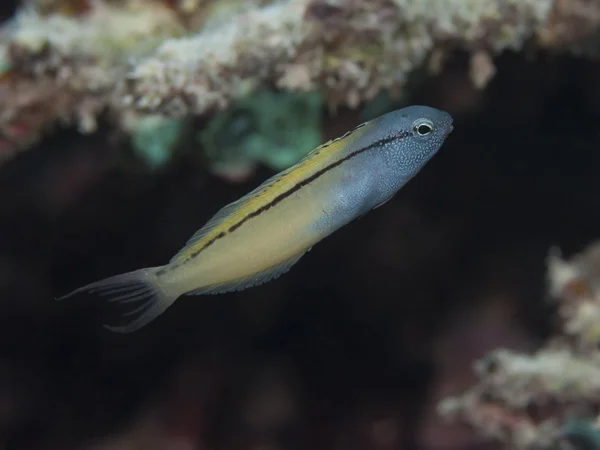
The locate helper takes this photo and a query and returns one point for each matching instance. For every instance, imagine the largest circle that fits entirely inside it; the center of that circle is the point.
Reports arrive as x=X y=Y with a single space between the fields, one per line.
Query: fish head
x=413 y=135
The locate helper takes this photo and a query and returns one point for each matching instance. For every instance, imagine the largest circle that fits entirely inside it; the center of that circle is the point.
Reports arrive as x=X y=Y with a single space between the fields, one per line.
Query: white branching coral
x=534 y=401
x=196 y=73
x=153 y=58
x=354 y=49
x=59 y=69
x=491 y=23
x=106 y=31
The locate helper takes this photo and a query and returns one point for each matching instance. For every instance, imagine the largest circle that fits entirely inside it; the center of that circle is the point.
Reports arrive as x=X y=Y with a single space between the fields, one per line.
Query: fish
x=262 y=235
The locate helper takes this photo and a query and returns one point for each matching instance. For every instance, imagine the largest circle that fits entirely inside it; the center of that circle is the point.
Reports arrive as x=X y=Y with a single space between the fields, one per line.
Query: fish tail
x=141 y=288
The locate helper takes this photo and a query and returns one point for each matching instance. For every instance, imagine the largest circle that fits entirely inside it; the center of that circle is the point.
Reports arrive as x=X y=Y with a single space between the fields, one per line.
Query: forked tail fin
x=140 y=288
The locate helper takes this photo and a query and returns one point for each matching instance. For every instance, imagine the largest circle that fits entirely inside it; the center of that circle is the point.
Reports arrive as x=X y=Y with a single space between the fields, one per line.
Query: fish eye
x=422 y=127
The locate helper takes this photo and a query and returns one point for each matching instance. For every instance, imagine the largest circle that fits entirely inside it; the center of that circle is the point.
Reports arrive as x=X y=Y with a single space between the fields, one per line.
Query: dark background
x=349 y=350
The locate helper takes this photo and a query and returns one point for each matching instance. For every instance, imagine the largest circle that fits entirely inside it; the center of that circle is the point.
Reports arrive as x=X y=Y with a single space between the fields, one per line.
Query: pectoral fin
x=384 y=202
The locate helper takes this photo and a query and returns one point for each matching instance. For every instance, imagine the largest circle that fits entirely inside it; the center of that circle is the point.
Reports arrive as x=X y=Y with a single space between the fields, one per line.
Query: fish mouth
x=448 y=131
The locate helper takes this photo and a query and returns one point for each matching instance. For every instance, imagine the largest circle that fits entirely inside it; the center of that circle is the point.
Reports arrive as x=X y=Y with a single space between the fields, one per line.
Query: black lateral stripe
x=297 y=187
x=314 y=177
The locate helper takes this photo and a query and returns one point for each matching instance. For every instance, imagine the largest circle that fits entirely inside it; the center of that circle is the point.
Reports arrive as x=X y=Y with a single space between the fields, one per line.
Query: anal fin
x=253 y=280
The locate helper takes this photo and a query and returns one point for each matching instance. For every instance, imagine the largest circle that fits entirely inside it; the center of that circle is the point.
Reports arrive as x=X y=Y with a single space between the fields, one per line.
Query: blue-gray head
x=420 y=130
x=407 y=139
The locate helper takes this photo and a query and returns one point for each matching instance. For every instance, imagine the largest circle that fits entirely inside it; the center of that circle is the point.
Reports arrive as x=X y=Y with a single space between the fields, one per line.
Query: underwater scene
x=300 y=225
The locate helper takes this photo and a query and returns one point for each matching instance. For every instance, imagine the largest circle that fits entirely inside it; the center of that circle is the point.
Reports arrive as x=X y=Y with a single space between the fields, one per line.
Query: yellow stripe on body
x=266 y=242
x=237 y=214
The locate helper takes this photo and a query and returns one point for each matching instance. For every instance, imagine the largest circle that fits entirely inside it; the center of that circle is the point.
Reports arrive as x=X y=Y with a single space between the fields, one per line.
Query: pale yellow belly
x=276 y=235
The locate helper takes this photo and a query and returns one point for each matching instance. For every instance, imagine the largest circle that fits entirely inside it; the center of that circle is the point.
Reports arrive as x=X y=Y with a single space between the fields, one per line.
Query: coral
x=352 y=49
x=276 y=129
x=64 y=70
x=154 y=137
x=68 y=61
x=553 y=395
x=572 y=23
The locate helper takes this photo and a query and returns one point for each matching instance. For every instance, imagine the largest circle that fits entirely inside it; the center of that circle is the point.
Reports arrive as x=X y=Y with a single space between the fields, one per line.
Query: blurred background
x=354 y=347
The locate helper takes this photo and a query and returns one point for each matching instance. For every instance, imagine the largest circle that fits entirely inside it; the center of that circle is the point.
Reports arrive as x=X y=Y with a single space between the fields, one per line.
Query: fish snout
x=448 y=131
